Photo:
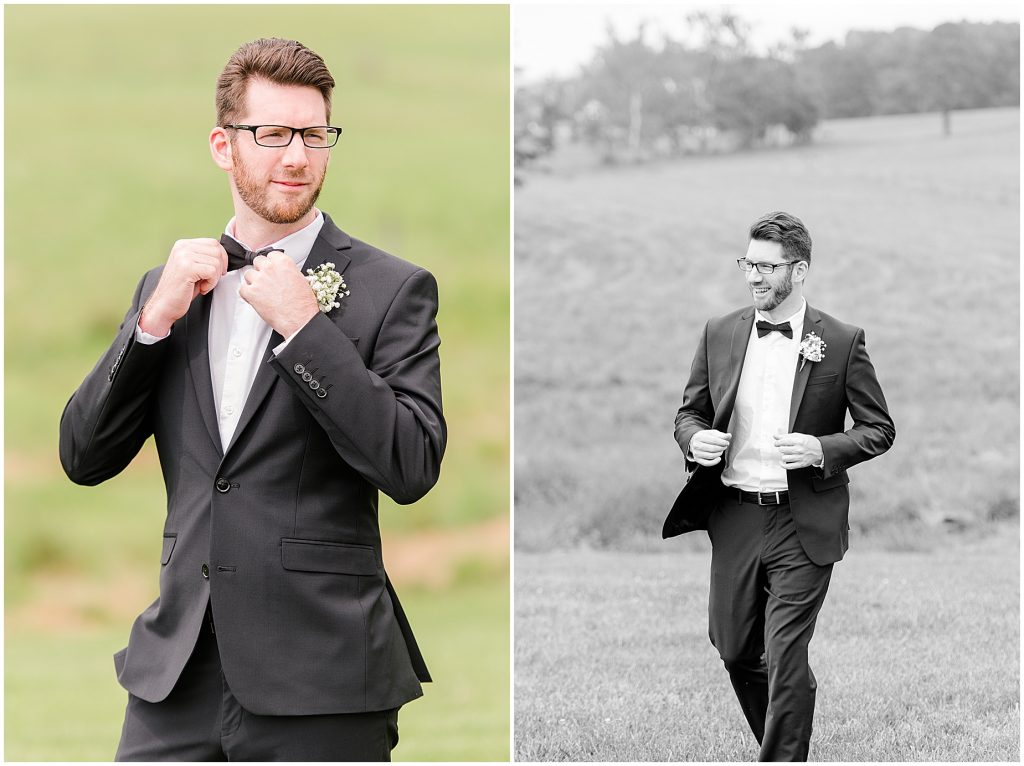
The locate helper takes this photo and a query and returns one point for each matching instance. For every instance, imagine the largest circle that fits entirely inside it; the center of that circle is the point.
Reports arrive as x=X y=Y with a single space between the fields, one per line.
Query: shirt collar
x=296 y=245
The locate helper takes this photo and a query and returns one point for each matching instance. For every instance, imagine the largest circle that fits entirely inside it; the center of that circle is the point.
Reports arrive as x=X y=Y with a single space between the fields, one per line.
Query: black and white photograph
x=766 y=467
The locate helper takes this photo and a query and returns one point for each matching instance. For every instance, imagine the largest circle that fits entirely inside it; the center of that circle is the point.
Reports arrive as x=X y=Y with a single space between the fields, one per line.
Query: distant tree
x=1002 y=62
x=752 y=94
x=538 y=110
x=952 y=71
x=841 y=78
x=891 y=56
x=615 y=85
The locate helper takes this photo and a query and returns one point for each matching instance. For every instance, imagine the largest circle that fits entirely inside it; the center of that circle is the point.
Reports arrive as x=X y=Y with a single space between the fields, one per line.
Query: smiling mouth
x=761 y=290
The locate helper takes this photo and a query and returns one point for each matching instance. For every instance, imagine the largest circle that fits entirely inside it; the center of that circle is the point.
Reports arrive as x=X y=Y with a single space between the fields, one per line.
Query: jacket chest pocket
x=822 y=380
x=165 y=553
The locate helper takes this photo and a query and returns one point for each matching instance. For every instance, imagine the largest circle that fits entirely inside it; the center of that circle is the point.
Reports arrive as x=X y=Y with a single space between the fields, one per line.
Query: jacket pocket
x=322 y=556
x=169 y=540
x=822 y=380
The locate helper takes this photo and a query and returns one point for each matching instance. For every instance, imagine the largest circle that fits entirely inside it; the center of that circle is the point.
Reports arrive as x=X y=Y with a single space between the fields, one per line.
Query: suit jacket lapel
x=327 y=247
x=737 y=354
x=812 y=323
x=197 y=329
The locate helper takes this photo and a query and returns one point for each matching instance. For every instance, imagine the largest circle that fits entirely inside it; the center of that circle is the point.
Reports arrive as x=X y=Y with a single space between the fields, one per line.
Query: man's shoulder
x=370 y=257
x=833 y=325
x=728 y=321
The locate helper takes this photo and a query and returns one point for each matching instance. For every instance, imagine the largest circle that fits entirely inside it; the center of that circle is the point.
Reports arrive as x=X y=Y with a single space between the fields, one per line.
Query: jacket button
x=206 y=572
x=307 y=377
x=321 y=393
x=299 y=369
x=314 y=384
x=223 y=485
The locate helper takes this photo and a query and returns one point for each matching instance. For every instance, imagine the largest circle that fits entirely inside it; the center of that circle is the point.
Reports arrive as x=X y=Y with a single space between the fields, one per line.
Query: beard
x=256 y=195
x=778 y=293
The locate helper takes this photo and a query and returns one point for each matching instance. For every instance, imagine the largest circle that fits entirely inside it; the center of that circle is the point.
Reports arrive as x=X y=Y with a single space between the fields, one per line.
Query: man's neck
x=255 y=232
x=786 y=309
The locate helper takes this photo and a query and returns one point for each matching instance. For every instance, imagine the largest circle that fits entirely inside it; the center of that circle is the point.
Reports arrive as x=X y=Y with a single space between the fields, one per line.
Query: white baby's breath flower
x=812 y=348
x=327 y=285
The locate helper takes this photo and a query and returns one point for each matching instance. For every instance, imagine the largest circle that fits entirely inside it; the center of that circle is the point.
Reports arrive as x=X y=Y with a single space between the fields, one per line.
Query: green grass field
x=916 y=239
x=916 y=657
x=108 y=109
x=64 y=703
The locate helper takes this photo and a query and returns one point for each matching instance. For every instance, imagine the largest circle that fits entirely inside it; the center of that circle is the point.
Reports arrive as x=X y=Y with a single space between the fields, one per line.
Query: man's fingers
x=715 y=442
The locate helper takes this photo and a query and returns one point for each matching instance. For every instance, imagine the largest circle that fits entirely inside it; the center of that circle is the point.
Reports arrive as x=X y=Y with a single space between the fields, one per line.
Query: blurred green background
x=108 y=109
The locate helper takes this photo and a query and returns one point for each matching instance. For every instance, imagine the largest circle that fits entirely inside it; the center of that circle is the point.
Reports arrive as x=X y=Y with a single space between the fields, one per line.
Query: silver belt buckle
x=777 y=500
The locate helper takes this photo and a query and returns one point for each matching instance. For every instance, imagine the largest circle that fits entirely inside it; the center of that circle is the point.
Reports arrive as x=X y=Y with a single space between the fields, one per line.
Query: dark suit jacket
x=823 y=392
x=284 y=520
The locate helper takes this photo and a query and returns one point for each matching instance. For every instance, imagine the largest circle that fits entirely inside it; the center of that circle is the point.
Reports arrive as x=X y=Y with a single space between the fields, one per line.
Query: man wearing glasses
x=762 y=426
x=280 y=406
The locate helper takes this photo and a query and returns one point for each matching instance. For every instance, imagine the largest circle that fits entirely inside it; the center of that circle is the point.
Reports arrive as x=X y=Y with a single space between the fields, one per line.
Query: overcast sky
x=552 y=39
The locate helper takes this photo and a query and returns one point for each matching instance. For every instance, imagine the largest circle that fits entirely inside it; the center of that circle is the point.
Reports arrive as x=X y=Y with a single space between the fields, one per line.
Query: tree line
x=637 y=99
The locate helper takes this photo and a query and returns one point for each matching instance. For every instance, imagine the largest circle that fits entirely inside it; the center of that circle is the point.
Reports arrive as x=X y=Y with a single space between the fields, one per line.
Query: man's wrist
x=153 y=323
x=292 y=328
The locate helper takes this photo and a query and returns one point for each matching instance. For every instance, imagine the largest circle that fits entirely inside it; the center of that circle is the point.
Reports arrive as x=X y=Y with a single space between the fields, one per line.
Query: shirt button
x=236 y=351
x=228 y=409
x=206 y=572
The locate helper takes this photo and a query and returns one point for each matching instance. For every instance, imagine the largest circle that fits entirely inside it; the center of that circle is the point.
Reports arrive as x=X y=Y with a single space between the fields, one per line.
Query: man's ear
x=800 y=271
x=220 y=149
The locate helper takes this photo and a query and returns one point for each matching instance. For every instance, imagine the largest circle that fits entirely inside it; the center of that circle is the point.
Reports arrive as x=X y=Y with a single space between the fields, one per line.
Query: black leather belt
x=763 y=498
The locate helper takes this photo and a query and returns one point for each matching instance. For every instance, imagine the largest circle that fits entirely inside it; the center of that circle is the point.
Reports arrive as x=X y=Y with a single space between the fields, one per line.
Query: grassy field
x=463 y=715
x=916 y=657
x=108 y=109
x=916 y=239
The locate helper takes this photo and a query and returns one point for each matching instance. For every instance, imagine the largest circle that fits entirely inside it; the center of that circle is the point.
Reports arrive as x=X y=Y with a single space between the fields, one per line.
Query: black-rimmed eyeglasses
x=762 y=268
x=278 y=136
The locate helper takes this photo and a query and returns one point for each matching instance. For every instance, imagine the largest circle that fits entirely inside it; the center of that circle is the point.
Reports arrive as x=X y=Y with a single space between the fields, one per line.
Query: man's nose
x=295 y=153
x=754 y=276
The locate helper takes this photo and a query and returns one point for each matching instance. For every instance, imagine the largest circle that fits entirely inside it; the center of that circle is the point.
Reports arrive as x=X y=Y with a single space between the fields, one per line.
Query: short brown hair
x=285 y=62
x=786 y=229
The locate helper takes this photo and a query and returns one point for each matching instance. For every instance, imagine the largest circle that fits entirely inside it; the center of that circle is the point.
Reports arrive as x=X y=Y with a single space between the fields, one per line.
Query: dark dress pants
x=202 y=721
x=765 y=598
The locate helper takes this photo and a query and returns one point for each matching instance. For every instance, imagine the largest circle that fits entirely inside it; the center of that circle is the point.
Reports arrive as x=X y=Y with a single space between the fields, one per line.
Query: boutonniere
x=327 y=285
x=812 y=348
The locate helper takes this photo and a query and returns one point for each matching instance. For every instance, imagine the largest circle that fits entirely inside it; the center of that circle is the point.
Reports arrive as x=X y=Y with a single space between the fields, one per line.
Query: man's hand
x=798 y=450
x=275 y=287
x=707 y=447
x=193 y=267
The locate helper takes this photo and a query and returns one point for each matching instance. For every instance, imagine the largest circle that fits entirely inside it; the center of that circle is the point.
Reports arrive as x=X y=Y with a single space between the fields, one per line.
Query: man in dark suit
x=278 y=414
x=762 y=426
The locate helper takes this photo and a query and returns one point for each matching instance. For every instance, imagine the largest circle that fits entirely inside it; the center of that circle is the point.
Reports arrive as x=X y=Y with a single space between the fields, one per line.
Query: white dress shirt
x=238 y=336
x=762 y=406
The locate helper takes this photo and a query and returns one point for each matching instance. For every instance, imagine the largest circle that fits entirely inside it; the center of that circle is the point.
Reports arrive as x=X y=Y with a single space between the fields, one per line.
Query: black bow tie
x=763 y=328
x=238 y=256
